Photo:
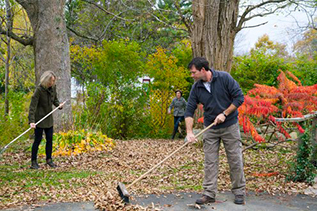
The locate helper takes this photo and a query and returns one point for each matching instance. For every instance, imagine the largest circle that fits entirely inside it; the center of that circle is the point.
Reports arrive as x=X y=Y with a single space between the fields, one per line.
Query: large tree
x=216 y=23
x=51 y=47
x=212 y=25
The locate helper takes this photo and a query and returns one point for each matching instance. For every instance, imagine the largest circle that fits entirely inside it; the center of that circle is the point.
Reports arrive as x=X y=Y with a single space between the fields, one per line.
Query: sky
x=281 y=28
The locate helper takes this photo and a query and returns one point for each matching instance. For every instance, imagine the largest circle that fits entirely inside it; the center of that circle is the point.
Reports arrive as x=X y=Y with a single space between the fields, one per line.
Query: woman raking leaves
x=41 y=104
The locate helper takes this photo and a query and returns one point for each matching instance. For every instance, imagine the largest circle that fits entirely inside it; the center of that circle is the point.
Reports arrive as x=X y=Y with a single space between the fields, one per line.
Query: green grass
x=190 y=165
x=11 y=175
x=191 y=187
x=17 y=175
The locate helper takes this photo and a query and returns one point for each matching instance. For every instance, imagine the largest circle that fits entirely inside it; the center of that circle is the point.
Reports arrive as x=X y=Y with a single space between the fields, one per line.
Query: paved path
x=77 y=206
x=224 y=202
x=180 y=202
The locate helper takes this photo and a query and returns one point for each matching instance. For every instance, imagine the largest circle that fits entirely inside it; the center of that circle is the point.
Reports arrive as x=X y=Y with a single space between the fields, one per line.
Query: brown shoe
x=205 y=200
x=239 y=199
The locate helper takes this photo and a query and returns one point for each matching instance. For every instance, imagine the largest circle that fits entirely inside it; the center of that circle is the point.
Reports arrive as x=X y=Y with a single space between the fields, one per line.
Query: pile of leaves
x=265 y=172
x=77 y=142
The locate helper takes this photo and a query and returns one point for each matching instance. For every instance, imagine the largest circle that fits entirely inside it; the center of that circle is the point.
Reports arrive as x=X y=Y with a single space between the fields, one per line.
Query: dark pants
x=37 y=140
x=177 y=120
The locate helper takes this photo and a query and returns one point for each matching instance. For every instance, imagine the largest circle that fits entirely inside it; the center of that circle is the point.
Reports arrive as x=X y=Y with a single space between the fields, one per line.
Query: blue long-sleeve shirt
x=224 y=91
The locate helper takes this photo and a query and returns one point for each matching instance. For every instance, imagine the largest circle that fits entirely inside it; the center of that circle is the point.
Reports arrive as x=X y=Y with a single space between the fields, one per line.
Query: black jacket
x=41 y=104
x=224 y=91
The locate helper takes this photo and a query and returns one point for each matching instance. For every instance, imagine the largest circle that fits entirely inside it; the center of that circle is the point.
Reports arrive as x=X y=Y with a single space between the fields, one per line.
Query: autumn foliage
x=265 y=103
x=78 y=142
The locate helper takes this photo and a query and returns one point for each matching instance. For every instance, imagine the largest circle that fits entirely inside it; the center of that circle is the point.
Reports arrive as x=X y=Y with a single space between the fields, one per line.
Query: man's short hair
x=199 y=63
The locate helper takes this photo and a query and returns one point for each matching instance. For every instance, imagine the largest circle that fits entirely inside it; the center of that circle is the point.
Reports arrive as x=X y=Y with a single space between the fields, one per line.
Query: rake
x=123 y=192
x=6 y=146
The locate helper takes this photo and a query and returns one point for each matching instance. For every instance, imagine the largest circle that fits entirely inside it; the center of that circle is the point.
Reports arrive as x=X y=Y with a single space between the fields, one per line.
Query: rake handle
x=6 y=146
x=154 y=167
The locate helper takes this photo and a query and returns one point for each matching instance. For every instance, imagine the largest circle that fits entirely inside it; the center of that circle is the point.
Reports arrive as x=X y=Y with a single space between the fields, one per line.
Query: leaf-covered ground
x=94 y=176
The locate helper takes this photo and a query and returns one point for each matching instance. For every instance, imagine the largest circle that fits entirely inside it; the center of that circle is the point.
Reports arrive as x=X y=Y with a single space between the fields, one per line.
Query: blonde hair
x=46 y=78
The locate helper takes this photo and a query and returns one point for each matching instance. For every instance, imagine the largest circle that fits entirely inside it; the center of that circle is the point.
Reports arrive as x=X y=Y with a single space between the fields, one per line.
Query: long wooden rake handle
x=6 y=146
x=154 y=167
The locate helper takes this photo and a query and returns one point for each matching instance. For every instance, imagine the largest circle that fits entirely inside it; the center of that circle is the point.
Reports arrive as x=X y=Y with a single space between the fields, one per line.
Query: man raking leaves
x=220 y=95
x=123 y=192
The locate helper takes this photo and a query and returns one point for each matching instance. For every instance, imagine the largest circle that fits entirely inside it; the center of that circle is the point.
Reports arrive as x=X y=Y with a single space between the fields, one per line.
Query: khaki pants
x=230 y=137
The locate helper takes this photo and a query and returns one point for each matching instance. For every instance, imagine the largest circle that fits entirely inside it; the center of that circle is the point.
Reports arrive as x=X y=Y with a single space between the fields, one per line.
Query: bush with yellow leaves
x=77 y=142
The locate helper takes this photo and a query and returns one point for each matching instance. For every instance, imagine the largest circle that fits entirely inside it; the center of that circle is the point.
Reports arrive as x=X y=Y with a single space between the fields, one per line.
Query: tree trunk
x=51 y=50
x=214 y=30
x=7 y=61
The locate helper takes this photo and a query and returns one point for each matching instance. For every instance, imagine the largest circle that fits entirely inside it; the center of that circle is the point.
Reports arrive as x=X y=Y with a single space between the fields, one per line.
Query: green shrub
x=305 y=68
x=17 y=120
x=302 y=170
x=257 y=68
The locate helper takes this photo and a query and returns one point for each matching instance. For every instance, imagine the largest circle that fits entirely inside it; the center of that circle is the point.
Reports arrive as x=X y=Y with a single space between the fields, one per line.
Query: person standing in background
x=179 y=105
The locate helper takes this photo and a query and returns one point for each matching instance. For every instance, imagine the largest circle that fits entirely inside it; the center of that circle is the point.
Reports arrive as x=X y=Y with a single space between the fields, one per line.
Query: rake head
x=124 y=194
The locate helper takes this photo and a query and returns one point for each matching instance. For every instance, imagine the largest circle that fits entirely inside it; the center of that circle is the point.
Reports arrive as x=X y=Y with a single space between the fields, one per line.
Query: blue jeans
x=177 y=120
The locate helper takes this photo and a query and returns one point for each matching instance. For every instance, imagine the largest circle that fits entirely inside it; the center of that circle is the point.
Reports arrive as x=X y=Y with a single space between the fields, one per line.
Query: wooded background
x=108 y=47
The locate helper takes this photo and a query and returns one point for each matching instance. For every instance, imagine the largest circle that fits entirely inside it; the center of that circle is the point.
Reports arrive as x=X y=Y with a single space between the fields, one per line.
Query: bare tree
x=310 y=9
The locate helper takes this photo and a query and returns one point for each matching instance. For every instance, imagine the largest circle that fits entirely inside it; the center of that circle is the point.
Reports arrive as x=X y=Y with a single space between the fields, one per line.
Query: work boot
x=34 y=165
x=50 y=163
x=239 y=199
x=205 y=200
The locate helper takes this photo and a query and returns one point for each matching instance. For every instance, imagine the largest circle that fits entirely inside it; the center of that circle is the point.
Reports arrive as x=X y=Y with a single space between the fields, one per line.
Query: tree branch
x=186 y=23
x=250 y=8
x=25 y=42
x=269 y=145
x=264 y=14
x=245 y=27
x=107 y=26
x=298 y=119
x=250 y=146
x=165 y=23
x=81 y=35
x=151 y=13
x=106 y=11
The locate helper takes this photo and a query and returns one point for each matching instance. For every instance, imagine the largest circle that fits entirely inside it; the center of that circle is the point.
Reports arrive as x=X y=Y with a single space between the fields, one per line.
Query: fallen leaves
x=128 y=161
x=267 y=174
x=196 y=206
